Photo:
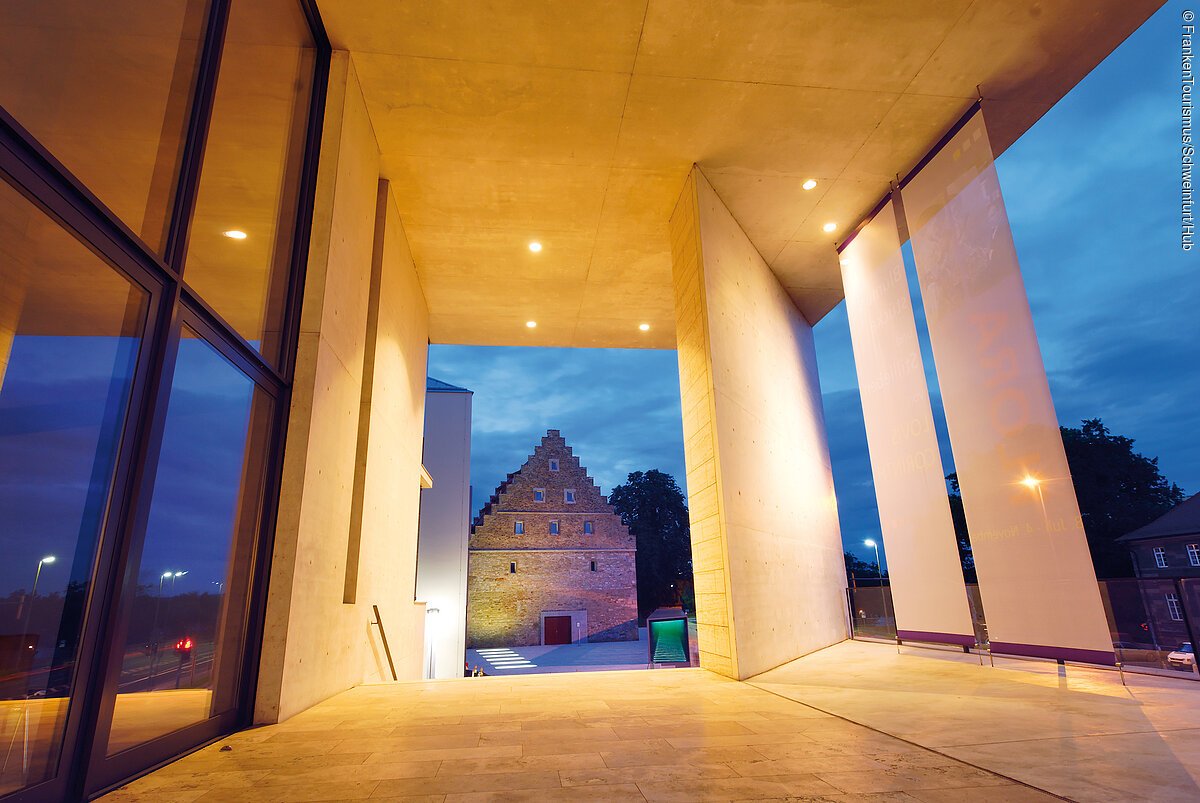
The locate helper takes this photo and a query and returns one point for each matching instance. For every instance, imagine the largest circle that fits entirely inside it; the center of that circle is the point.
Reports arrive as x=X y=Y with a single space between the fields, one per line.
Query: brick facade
x=513 y=579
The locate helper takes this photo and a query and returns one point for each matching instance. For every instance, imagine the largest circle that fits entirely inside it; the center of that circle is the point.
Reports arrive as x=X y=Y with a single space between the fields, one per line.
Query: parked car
x=1184 y=657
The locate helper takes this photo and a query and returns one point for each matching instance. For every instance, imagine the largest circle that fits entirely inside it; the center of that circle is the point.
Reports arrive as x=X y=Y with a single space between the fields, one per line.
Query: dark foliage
x=653 y=508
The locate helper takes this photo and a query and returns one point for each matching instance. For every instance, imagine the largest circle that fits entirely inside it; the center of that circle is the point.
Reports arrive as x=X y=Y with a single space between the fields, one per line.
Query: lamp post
x=28 y=604
x=879 y=569
x=154 y=628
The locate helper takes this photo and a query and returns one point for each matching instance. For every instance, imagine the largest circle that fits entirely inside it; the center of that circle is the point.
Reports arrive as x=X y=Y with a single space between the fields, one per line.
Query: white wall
x=445 y=519
x=770 y=577
x=314 y=644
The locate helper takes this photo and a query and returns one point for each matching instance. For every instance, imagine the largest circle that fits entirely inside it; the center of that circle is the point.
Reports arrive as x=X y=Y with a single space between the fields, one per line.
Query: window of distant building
x=593 y=565
x=1173 y=608
x=553 y=464
x=569 y=496
x=554 y=528
x=1194 y=554
x=539 y=494
x=587 y=528
x=512 y=567
x=1160 y=557
x=519 y=527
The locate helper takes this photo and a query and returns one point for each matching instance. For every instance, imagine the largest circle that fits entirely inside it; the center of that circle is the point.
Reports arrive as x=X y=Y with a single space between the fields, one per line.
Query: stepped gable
x=515 y=499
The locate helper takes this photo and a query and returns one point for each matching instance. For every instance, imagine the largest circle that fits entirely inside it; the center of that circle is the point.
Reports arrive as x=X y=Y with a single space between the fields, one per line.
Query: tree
x=1118 y=490
x=859 y=570
x=652 y=506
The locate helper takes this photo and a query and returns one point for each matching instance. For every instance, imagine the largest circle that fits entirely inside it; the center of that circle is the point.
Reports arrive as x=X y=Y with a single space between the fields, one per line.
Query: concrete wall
x=445 y=519
x=315 y=644
x=766 y=546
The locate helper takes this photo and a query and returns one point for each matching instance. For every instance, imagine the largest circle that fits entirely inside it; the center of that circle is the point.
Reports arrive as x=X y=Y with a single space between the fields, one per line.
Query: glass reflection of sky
x=51 y=408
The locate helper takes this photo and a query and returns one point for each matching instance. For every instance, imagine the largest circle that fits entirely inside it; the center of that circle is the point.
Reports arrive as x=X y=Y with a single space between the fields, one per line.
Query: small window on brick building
x=553 y=464
x=593 y=565
x=1194 y=554
x=1160 y=557
x=512 y=567
x=554 y=528
x=587 y=528
x=569 y=496
x=1173 y=608
x=519 y=527
x=539 y=494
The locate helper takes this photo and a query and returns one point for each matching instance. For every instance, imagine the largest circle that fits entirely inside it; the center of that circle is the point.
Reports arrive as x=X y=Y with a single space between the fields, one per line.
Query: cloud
x=617 y=408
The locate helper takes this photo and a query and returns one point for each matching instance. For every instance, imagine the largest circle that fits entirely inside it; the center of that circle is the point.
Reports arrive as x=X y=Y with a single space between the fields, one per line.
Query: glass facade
x=144 y=368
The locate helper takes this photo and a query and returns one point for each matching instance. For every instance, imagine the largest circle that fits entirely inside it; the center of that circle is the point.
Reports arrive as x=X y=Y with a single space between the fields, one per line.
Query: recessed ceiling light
x=829 y=227
x=645 y=327
x=531 y=324
x=535 y=247
x=808 y=185
x=235 y=234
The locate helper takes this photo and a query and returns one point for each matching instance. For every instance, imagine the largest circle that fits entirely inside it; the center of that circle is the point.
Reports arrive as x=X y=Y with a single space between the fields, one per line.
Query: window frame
x=1160 y=557
x=588 y=527
x=555 y=528
x=554 y=464
x=1193 y=551
x=539 y=495
x=1173 y=607
x=569 y=496
x=519 y=527
x=83 y=769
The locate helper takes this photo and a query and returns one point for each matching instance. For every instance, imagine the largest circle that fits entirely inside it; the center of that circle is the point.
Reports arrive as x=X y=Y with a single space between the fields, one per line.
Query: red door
x=558 y=630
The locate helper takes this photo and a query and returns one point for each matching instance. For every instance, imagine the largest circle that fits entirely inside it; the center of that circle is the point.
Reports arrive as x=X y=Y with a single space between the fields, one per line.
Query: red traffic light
x=184 y=644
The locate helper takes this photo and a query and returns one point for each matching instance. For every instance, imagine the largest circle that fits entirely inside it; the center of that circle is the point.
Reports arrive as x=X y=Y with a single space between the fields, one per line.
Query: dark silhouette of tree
x=652 y=506
x=861 y=572
x=1118 y=490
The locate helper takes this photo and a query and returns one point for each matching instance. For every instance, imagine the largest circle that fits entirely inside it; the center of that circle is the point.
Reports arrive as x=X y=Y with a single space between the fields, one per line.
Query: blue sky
x=1093 y=195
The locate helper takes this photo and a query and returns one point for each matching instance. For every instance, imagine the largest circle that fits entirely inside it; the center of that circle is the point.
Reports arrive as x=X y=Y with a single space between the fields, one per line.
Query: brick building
x=550 y=561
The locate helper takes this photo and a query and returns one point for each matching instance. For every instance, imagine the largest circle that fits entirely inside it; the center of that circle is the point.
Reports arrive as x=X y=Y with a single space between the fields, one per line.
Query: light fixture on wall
x=645 y=327
x=809 y=184
x=531 y=324
x=829 y=228
x=235 y=234
x=535 y=246
x=1031 y=482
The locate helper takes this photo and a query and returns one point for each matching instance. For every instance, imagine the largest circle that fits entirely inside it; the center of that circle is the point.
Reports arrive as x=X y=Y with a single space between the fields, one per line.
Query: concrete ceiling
x=574 y=124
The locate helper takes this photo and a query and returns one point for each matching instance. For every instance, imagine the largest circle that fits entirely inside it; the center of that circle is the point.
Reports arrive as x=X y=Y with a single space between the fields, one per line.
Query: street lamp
x=879 y=568
x=28 y=606
x=41 y=563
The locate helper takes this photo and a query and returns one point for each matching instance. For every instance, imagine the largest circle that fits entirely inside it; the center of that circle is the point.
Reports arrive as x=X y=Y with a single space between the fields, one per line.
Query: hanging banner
x=1039 y=590
x=928 y=592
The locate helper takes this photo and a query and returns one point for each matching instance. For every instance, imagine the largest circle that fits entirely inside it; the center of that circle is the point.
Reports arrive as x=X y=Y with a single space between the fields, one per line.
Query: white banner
x=1036 y=579
x=928 y=592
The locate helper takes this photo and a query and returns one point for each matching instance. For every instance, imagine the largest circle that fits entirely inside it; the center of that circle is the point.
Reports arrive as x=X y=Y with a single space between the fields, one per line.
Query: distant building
x=1169 y=546
x=550 y=561
x=443 y=527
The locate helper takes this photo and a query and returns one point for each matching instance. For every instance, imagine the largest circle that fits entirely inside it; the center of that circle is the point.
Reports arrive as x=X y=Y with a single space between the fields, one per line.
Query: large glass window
x=240 y=243
x=106 y=88
x=187 y=618
x=70 y=330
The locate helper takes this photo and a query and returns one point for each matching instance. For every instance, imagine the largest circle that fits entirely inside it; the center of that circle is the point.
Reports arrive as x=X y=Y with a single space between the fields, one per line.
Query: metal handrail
x=383 y=635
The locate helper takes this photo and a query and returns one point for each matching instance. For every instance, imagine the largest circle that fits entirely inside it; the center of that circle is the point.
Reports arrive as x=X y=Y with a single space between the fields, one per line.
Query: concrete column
x=1036 y=579
x=315 y=644
x=927 y=586
x=766 y=546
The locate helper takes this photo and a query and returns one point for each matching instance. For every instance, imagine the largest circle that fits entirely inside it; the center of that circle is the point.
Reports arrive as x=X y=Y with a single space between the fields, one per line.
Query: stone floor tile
x=454 y=784
x=713 y=789
x=617 y=793
x=653 y=773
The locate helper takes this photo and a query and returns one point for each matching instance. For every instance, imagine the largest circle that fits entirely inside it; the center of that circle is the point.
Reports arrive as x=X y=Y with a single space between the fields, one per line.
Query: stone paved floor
x=669 y=734
x=1073 y=731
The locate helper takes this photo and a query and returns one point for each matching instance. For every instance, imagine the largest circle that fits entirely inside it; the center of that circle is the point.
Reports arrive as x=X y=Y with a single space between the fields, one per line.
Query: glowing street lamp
x=38 y=573
x=1031 y=482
